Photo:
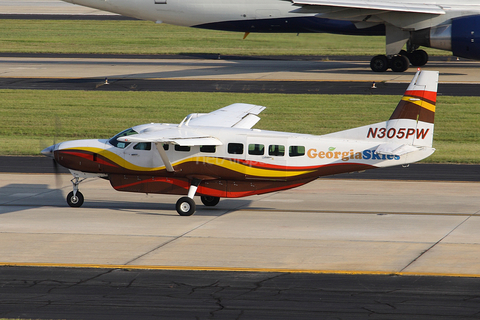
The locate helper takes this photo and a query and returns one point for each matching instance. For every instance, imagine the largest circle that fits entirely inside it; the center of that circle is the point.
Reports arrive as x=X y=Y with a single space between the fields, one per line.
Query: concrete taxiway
x=233 y=68
x=328 y=226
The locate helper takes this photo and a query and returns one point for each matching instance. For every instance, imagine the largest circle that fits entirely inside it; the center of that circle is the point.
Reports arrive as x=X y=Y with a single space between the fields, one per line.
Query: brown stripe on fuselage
x=409 y=110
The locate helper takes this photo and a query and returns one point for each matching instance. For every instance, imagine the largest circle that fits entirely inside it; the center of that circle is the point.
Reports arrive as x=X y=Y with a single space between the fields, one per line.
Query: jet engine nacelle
x=460 y=35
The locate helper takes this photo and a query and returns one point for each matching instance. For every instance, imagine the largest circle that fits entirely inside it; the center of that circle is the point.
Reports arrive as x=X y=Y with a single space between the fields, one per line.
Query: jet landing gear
x=381 y=63
x=399 y=62
x=186 y=206
x=75 y=198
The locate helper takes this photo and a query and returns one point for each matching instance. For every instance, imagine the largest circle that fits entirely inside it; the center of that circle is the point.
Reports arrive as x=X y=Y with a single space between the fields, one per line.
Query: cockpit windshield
x=120 y=144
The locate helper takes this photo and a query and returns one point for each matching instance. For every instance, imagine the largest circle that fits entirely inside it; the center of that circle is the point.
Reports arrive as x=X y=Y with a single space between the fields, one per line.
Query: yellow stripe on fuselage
x=221 y=162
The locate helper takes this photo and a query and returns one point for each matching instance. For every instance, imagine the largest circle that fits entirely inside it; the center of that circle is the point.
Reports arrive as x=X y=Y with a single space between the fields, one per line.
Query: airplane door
x=141 y=155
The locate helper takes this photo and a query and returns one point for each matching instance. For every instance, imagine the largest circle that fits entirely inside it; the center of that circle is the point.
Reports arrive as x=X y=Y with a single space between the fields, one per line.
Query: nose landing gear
x=75 y=198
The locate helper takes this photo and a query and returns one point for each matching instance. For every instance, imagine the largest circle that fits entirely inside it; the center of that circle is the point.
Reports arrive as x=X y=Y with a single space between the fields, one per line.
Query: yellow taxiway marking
x=237 y=269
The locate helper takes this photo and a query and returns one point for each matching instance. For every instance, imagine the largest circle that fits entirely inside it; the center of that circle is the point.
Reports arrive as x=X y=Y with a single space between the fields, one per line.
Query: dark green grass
x=144 y=37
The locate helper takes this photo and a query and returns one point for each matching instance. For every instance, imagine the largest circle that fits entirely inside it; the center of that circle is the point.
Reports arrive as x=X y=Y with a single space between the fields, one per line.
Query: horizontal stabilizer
x=394 y=149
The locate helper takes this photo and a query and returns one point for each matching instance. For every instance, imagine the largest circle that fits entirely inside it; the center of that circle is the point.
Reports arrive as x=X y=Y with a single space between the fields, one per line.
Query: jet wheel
x=75 y=201
x=418 y=58
x=399 y=63
x=185 y=206
x=210 y=201
x=379 y=63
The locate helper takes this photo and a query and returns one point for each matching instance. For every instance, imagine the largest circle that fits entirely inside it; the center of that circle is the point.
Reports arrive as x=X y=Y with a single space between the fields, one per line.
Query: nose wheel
x=75 y=198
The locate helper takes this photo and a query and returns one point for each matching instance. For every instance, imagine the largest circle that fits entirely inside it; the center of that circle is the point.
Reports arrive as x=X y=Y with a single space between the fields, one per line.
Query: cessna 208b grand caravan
x=218 y=154
x=441 y=24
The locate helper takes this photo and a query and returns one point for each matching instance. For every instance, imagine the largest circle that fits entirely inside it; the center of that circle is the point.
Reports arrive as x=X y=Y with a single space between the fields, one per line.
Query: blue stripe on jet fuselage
x=294 y=25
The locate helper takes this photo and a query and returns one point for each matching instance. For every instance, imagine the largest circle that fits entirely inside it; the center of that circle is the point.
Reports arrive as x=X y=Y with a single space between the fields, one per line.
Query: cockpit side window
x=120 y=144
x=143 y=146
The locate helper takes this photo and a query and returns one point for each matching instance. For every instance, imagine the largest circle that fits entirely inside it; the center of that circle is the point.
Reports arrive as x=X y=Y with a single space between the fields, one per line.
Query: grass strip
x=33 y=119
x=145 y=37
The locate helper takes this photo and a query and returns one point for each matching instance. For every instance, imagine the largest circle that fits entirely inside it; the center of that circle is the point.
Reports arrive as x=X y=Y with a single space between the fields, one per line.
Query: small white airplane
x=219 y=155
x=440 y=24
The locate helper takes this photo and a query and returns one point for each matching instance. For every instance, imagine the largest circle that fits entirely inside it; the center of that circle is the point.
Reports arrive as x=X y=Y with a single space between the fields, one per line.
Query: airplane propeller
x=49 y=152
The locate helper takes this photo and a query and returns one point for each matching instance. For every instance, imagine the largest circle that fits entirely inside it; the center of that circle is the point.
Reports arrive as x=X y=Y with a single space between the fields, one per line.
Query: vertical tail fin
x=410 y=128
x=411 y=125
x=416 y=111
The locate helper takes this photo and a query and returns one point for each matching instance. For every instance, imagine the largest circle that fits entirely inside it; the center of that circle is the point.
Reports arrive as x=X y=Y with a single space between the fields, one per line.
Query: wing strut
x=164 y=157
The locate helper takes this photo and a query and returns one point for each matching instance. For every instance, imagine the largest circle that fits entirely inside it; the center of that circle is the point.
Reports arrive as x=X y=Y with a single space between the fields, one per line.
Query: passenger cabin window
x=276 y=150
x=235 y=148
x=182 y=148
x=256 y=149
x=143 y=146
x=120 y=144
x=208 y=149
x=166 y=146
x=296 y=151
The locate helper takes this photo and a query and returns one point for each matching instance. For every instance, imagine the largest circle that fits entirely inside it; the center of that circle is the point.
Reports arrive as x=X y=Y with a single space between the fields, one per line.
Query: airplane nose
x=49 y=151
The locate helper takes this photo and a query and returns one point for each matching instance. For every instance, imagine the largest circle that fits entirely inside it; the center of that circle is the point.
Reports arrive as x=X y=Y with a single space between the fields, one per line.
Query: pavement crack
x=81 y=281
x=435 y=244
x=175 y=238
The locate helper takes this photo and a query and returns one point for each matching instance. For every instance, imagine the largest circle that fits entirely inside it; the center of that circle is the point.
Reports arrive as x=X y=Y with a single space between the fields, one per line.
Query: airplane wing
x=180 y=136
x=237 y=115
x=397 y=6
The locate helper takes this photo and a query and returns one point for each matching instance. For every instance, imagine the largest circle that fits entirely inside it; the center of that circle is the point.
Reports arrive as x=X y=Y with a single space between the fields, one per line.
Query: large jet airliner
x=440 y=24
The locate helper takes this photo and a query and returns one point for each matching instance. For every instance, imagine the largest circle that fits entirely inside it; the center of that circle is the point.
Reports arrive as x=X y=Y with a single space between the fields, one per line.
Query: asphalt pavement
x=69 y=293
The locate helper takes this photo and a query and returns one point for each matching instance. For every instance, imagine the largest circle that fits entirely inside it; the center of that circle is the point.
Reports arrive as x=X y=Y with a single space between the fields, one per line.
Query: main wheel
x=210 y=201
x=75 y=201
x=185 y=206
x=399 y=63
x=379 y=63
x=418 y=58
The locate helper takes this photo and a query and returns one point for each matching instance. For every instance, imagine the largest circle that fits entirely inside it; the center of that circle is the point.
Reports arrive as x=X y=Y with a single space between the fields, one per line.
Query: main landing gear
x=399 y=62
x=186 y=206
x=75 y=198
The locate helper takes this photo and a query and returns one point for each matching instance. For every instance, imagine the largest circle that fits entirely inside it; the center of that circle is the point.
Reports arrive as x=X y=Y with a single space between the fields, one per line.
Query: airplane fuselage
x=249 y=161
x=274 y=15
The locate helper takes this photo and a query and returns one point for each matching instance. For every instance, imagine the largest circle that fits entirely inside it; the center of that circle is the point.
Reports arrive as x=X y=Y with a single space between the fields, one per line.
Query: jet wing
x=179 y=136
x=397 y=6
x=238 y=115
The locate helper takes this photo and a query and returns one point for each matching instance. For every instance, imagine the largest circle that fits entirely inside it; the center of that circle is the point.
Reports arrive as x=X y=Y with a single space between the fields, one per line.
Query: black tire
x=399 y=63
x=185 y=206
x=210 y=201
x=379 y=63
x=75 y=201
x=418 y=58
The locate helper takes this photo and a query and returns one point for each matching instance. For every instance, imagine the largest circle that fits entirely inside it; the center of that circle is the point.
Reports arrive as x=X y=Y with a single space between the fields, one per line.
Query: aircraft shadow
x=19 y=197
